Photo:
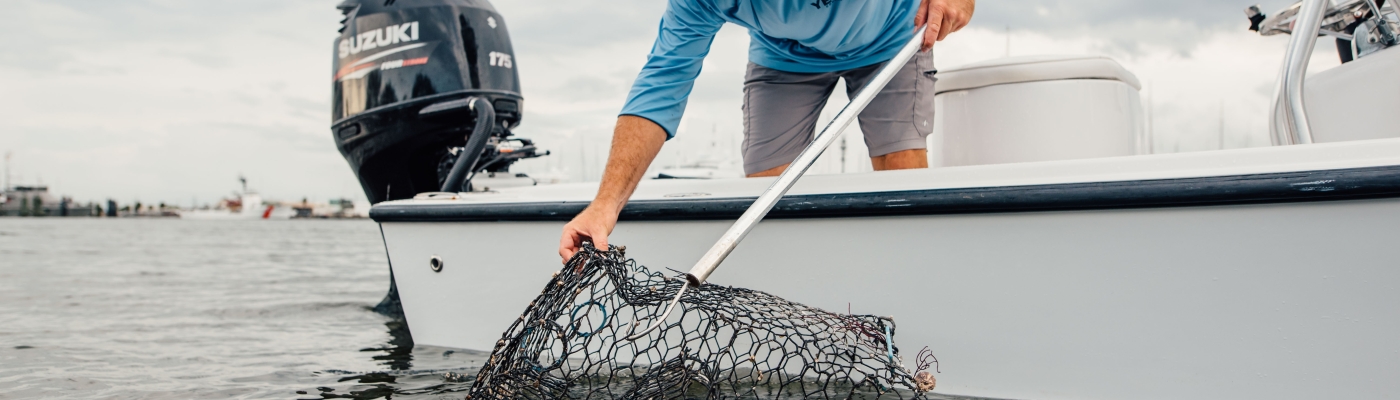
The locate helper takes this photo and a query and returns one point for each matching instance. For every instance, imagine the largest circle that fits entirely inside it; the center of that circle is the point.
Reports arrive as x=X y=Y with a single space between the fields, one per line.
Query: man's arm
x=943 y=17
x=636 y=141
x=652 y=113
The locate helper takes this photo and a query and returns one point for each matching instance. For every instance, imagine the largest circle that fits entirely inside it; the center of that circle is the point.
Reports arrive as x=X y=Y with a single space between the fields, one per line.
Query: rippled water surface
x=171 y=309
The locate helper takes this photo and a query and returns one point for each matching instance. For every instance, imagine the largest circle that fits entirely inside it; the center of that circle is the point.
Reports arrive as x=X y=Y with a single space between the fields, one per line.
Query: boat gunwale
x=1257 y=188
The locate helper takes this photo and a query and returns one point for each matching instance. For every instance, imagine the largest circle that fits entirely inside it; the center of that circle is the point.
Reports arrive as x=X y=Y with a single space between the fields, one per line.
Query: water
x=171 y=309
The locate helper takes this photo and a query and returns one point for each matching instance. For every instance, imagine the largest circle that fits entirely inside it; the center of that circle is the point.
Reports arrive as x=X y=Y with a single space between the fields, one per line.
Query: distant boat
x=247 y=205
x=18 y=200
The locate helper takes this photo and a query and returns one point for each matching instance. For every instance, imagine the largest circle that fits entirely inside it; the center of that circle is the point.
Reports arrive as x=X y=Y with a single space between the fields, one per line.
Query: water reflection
x=169 y=309
x=398 y=353
x=410 y=371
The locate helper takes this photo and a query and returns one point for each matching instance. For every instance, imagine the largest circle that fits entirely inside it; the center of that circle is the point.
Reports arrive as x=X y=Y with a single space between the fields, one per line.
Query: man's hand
x=636 y=141
x=594 y=224
x=943 y=17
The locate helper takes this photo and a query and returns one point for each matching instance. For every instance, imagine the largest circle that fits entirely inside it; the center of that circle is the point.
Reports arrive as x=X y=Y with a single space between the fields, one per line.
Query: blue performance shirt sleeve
x=663 y=87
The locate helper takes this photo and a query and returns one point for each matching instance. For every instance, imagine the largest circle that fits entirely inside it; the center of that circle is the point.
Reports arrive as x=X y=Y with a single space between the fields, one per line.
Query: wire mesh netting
x=721 y=342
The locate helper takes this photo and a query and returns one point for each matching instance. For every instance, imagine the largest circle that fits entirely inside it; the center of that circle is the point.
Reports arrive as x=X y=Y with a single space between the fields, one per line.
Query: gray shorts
x=781 y=109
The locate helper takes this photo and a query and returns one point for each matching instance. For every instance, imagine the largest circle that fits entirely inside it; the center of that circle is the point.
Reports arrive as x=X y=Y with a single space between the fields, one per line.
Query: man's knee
x=775 y=171
x=903 y=159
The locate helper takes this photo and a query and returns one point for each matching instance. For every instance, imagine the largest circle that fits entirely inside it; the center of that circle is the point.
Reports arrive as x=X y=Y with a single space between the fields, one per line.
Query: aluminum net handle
x=711 y=260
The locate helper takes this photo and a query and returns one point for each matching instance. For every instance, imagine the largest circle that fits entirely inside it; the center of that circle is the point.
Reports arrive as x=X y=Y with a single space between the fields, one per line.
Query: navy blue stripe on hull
x=1303 y=186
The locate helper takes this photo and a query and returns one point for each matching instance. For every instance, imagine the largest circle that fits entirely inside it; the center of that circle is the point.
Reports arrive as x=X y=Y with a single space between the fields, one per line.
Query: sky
x=171 y=101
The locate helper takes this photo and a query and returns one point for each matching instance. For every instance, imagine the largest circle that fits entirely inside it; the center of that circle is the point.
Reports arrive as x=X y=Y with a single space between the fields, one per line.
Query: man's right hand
x=593 y=225
x=943 y=17
x=636 y=141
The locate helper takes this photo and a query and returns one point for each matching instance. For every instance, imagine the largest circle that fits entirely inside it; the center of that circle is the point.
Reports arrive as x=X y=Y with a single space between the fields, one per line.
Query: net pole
x=765 y=202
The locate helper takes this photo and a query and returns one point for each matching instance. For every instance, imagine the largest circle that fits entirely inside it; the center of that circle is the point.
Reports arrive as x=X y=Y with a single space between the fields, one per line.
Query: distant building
x=29 y=201
x=35 y=201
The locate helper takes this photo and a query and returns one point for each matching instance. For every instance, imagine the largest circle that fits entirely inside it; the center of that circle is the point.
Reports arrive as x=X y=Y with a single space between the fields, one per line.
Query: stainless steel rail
x=1292 y=127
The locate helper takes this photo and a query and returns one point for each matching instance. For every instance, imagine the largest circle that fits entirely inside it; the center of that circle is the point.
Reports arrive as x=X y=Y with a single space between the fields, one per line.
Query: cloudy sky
x=170 y=100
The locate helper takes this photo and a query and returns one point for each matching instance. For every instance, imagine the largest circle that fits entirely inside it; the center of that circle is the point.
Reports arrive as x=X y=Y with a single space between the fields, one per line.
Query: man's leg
x=775 y=171
x=780 y=115
x=903 y=159
x=899 y=119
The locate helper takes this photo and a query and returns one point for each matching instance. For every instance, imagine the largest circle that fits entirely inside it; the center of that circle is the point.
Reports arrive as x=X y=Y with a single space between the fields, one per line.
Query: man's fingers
x=600 y=241
x=572 y=240
x=942 y=17
x=950 y=21
x=919 y=17
x=935 y=25
x=930 y=36
x=568 y=245
x=958 y=14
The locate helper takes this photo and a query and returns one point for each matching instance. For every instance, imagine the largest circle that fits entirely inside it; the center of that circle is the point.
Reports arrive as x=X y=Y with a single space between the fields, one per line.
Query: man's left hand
x=943 y=17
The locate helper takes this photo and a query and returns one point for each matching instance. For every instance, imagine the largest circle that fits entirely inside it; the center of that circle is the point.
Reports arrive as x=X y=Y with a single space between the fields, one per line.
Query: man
x=797 y=51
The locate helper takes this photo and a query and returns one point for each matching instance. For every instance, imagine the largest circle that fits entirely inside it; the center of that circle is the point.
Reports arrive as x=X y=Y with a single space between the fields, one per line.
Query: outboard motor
x=412 y=81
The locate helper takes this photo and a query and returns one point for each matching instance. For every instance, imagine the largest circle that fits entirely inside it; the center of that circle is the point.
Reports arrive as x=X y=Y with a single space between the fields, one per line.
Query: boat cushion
x=1032 y=69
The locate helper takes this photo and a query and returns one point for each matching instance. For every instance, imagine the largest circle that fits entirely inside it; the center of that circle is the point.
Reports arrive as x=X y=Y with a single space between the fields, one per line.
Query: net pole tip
x=693 y=280
x=657 y=322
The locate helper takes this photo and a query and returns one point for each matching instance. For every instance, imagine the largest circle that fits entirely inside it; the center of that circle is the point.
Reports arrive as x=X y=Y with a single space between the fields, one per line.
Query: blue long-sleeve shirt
x=805 y=36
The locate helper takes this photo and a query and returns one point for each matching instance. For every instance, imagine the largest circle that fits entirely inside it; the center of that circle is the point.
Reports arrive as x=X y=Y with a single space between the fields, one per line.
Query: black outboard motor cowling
x=395 y=58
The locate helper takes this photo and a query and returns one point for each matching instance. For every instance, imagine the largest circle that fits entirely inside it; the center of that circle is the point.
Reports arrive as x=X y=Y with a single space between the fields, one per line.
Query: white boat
x=248 y=205
x=1061 y=262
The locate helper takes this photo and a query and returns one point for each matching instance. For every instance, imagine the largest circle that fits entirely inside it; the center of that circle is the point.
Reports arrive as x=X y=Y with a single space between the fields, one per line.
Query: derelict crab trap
x=722 y=342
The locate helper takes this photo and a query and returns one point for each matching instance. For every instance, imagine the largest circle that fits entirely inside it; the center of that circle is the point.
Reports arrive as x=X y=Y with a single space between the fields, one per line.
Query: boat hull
x=1284 y=300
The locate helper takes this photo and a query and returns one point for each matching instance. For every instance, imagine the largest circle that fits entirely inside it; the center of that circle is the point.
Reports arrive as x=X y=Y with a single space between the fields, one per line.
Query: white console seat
x=1036 y=108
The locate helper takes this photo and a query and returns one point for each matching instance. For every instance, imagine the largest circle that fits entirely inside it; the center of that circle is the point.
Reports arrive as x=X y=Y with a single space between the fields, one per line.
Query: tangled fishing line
x=722 y=342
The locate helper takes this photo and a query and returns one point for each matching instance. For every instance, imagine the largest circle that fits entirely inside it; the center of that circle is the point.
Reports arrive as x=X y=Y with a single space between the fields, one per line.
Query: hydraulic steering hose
x=463 y=169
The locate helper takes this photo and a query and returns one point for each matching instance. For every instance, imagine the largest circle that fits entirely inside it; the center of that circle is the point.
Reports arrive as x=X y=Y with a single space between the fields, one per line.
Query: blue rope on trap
x=574 y=316
x=889 y=344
